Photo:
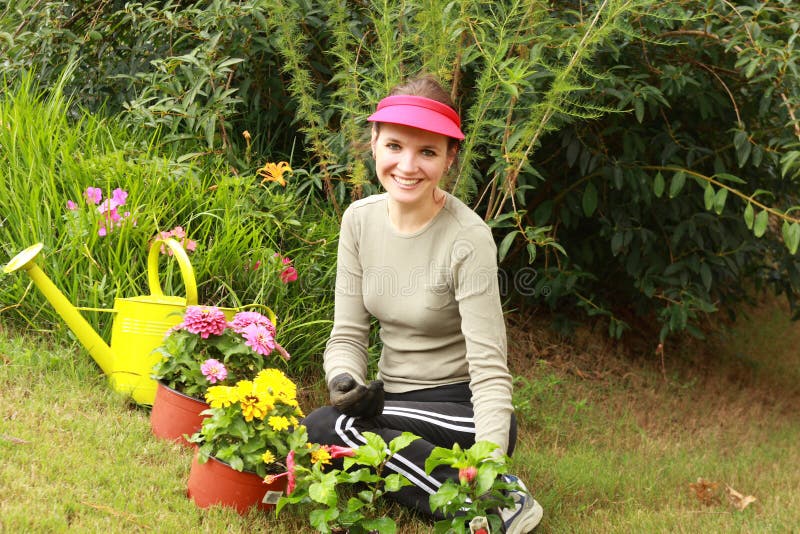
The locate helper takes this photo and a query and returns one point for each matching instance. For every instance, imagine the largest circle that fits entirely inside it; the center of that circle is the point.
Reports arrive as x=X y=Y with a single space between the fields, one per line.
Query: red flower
x=467 y=474
x=289 y=274
x=338 y=452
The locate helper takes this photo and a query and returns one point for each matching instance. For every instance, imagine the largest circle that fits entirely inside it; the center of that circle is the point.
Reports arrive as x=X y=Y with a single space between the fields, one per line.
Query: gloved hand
x=356 y=400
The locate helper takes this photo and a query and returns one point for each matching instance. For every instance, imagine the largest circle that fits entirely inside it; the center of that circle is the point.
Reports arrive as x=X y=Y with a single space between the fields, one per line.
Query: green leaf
x=658 y=185
x=729 y=177
x=446 y=493
x=319 y=519
x=705 y=276
x=760 y=225
x=323 y=493
x=791 y=236
x=505 y=244
x=402 y=441
x=749 y=216
x=708 y=196
x=638 y=109
x=384 y=525
x=589 y=199
x=719 y=200
x=676 y=184
x=617 y=241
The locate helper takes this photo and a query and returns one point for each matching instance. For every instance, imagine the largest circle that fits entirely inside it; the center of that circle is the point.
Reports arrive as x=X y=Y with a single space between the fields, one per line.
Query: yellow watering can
x=138 y=328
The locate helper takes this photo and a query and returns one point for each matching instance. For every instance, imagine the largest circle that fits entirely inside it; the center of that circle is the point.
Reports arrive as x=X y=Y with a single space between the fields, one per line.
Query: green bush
x=637 y=159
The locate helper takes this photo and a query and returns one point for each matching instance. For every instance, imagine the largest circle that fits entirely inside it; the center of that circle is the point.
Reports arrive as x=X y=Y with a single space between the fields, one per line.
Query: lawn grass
x=609 y=440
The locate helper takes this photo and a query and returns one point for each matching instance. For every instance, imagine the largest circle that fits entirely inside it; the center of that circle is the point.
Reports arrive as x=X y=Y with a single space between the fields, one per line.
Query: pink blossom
x=189 y=245
x=204 y=320
x=286 y=261
x=178 y=232
x=94 y=195
x=71 y=205
x=290 y=474
x=214 y=370
x=467 y=474
x=244 y=319
x=289 y=274
x=338 y=452
x=119 y=196
x=102 y=232
x=259 y=338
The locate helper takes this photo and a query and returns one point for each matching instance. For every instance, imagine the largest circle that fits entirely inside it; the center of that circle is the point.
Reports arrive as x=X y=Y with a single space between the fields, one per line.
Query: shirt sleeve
x=346 y=349
x=474 y=261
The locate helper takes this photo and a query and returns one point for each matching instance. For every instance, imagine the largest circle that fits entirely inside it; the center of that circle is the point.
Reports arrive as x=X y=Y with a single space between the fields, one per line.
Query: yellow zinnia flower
x=221 y=396
x=278 y=423
x=321 y=456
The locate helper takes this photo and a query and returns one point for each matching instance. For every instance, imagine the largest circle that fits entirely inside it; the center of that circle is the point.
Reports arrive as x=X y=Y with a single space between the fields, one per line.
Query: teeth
x=403 y=181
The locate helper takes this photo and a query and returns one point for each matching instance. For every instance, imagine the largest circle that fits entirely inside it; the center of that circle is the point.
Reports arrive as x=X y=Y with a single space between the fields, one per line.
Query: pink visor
x=419 y=112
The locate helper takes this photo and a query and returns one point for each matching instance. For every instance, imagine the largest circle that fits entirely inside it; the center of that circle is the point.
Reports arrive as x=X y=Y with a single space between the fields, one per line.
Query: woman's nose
x=407 y=161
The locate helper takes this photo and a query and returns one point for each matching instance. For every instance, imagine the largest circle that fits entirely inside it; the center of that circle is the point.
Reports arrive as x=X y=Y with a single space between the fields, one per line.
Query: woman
x=424 y=264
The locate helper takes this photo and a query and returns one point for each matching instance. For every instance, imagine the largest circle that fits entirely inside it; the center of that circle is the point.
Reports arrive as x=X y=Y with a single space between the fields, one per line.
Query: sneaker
x=525 y=514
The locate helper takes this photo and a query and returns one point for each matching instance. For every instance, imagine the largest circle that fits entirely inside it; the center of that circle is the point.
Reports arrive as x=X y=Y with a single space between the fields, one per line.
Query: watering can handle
x=183 y=261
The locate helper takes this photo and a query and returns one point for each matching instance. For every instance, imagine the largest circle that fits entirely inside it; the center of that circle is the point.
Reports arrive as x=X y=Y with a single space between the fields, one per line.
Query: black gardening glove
x=356 y=400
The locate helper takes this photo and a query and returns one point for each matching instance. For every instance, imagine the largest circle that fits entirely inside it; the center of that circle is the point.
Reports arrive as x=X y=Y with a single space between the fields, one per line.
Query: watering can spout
x=97 y=347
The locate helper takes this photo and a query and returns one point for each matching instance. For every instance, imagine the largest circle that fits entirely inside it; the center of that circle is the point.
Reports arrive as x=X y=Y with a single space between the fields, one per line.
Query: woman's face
x=409 y=162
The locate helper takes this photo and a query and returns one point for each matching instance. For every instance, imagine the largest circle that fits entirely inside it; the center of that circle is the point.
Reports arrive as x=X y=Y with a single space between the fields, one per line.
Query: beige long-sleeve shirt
x=435 y=294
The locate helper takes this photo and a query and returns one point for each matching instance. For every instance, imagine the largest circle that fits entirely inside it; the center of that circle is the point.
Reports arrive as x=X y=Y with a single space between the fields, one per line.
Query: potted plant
x=204 y=350
x=246 y=437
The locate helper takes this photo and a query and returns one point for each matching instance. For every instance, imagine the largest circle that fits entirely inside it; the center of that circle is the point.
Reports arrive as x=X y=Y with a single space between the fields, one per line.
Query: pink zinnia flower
x=204 y=320
x=71 y=205
x=214 y=370
x=259 y=338
x=94 y=195
x=289 y=274
x=244 y=319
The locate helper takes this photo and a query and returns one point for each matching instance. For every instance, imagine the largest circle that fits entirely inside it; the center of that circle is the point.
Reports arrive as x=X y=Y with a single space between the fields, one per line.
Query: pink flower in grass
x=204 y=320
x=94 y=195
x=289 y=274
x=244 y=319
x=291 y=476
x=119 y=196
x=71 y=205
x=259 y=338
x=214 y=370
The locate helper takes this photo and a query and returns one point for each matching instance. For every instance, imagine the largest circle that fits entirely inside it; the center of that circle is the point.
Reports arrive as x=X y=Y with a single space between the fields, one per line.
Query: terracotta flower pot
x=175 y=415
x=217 y=483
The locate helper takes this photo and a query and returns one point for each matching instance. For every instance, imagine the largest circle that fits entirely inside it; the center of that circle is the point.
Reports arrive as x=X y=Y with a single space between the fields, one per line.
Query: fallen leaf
x=739 y=501
x=12 y=439
x=705 y=491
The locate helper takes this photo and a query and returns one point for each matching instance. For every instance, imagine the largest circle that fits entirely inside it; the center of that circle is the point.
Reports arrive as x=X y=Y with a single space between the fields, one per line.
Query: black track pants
x=441 y=416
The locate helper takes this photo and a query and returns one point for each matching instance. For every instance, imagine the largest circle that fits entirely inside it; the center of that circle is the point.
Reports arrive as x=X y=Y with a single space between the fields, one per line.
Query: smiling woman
x=442 y=373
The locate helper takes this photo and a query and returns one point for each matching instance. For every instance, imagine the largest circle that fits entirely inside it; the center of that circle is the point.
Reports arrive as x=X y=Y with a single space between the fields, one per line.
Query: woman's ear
x=373 y=141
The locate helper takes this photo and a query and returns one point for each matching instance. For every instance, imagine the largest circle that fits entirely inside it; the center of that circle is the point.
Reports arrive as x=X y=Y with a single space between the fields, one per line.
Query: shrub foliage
x=638 y=159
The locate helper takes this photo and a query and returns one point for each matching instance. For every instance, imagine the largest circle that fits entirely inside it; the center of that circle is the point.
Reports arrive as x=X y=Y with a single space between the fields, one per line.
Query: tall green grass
x=51 y=152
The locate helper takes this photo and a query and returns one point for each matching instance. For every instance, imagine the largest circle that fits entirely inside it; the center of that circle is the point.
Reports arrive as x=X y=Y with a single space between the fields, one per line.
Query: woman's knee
x=320 y=425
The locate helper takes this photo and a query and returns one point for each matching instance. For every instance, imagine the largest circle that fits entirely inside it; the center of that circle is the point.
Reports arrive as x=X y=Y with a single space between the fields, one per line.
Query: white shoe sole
x=528 y=520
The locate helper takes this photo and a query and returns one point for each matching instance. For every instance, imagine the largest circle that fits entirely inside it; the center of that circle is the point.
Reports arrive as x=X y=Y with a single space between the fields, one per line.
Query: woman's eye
x=428 y=153
x=392 y=146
